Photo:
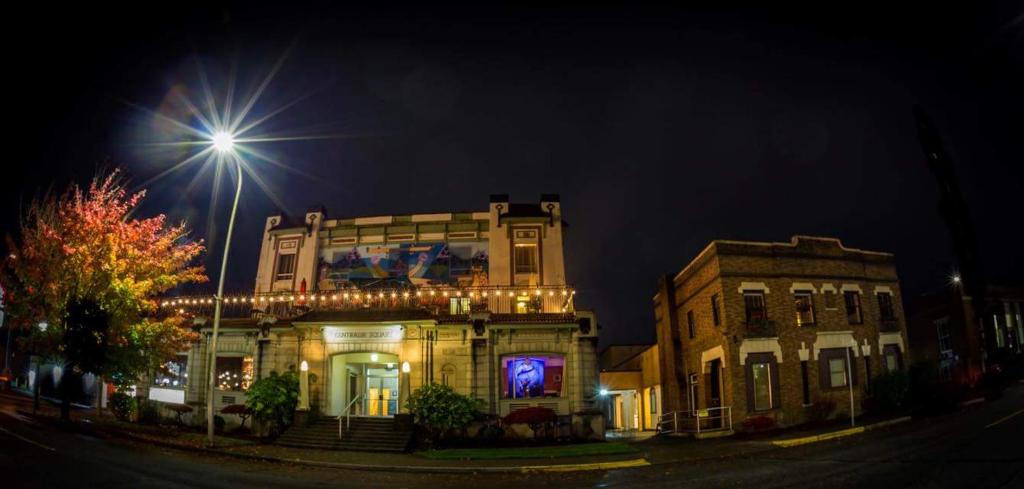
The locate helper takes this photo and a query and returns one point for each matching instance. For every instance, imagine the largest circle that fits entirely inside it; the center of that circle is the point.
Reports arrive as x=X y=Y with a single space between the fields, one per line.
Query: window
x=761 y=374
x=853 y=312
x=755 y=309
x=173 y=373
x=653 y=400
x=833 y=368
x=715 y=317
x=837 y=371
x=690 y=323
x=804 y=308
x=805 y=384
x=885 y=310
x=762 y=379
x=526 y=258
x=234 y=373
x=448 y=375
x=285 y=267
x=891 y=357
x=458 y=305
x=528 y=376
x=830 y=299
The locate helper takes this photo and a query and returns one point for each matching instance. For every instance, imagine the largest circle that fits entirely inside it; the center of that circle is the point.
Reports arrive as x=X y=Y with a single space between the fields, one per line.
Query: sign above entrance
x=361 y=334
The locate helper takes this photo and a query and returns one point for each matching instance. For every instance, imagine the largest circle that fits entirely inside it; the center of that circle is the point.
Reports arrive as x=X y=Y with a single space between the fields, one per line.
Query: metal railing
x=436 y=300
x=347 y=416
x=762 y=328
x=889 y=325
x=699 y=421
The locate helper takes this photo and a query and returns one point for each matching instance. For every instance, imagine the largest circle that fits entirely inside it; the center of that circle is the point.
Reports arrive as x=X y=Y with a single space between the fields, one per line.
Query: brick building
x=944 y=331
x=765 y=329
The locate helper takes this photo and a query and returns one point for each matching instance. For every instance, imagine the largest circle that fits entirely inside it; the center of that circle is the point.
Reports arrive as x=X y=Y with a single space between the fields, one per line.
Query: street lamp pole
x=219 y=300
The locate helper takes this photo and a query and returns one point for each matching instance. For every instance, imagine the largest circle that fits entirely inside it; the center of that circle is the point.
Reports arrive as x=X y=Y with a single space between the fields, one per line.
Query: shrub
x=121 y=405
x=759 y=423
x=889 y=391
x=218 y=423
x=273 y=399
x=439 y=409
x=149 y=412
x=820 y=411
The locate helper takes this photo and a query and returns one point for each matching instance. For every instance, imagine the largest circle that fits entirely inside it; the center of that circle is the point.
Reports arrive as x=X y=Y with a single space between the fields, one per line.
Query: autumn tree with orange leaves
x=92 y=271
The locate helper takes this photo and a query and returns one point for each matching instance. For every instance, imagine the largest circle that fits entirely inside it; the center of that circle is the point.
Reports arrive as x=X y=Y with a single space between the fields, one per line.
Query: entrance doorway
x=364 y=384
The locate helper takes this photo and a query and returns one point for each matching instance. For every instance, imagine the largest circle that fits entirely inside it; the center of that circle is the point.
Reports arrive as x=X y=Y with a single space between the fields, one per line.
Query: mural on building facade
x=526 y=377
x=455 y=264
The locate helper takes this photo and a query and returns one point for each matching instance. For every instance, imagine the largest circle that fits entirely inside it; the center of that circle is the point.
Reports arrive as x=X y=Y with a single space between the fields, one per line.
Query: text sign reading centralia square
x=362 y=334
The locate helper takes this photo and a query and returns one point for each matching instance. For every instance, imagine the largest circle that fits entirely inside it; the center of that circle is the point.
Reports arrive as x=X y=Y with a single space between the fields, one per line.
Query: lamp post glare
x=223 y=142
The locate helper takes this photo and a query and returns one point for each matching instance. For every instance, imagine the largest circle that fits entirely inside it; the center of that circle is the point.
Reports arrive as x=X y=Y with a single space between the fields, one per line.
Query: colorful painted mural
x=455 y=264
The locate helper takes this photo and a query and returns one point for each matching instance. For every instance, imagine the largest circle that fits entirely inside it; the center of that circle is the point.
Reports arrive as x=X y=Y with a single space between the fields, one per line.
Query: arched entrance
x=364 y=382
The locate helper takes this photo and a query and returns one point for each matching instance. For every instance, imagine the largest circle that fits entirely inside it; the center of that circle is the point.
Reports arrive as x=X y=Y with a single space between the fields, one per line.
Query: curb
x=795 y=442
x=425 y=469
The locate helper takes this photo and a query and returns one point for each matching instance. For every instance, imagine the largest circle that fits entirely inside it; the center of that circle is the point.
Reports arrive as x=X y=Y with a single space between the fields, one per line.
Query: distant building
x=766 y=329
x=631 y=382
x=944 y=333
x=379 y=306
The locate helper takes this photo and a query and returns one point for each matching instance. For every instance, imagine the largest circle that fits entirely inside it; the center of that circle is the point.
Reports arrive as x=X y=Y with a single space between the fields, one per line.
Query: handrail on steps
x=347 y=414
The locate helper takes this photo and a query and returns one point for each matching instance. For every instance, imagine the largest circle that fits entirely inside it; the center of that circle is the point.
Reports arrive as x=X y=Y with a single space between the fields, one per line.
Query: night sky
x=661 y=127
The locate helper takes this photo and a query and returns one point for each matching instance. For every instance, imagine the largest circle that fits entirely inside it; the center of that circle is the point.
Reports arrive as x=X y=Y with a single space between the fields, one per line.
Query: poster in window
x=526 y=377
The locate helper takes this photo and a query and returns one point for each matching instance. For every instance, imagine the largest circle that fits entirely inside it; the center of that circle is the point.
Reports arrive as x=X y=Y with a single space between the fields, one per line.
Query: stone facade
x=377 y=307
x=760 y=361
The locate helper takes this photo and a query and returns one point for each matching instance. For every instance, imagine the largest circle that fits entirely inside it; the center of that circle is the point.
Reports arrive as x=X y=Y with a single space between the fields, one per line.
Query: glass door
x=381 y=391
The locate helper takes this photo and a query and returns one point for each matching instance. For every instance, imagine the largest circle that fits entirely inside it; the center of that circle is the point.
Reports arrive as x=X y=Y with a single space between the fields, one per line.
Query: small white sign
x=362 y=334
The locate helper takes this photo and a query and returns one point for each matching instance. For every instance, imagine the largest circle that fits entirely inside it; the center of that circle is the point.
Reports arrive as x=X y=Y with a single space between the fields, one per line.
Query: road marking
x=1005 y=418
x=623 y=464
x=26 y=440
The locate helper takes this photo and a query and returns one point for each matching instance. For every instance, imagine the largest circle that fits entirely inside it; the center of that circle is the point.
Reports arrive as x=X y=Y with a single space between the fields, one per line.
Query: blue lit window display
x=527 y=376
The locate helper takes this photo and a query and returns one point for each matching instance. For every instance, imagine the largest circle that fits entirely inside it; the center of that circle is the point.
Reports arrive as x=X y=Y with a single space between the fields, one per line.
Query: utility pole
x=953 y=210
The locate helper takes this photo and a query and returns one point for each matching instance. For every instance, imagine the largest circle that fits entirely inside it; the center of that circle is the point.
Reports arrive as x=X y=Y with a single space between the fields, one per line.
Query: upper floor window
x=692 y=325
x=285 y=267
x=525 y=258
x=755 y=308
x=885 y=310
x=804 y=303
x=459 y=305
x=715 y=314
x=853 y=312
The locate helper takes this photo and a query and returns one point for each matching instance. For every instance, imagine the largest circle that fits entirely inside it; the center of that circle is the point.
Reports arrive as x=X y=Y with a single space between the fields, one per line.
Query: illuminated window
x=804 y=303
x=173 y=373
x=525 y=258
x=234 y=373
x=285 y=267
x=762 y=380
x=459 y=305
x=531 y=376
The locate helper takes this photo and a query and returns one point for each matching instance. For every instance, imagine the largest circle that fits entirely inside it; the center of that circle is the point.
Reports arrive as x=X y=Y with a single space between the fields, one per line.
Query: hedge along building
x=763 y=329
x=379 y=306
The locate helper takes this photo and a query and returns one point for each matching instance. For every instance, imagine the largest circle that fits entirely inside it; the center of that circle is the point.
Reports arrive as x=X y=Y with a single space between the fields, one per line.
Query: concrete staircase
x=364 y=434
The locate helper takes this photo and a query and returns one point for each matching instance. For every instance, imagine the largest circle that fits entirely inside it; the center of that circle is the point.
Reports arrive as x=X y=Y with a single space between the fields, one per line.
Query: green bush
x=122 y=405
x=890 y=391
x=273 y=399
x=438 y=409
x=149 y=412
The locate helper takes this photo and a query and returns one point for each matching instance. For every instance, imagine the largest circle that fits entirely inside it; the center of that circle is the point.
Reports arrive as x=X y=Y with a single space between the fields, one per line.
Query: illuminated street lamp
x=224 y=143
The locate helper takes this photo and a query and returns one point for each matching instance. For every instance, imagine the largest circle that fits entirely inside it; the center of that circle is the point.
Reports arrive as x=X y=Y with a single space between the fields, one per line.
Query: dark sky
x=661 y=127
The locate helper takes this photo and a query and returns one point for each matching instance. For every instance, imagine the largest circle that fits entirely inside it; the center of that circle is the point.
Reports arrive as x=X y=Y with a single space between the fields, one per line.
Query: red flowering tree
x=92 y=271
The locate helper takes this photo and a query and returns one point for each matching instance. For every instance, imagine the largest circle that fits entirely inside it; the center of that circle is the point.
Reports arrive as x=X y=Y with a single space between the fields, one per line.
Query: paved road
x=982 y=448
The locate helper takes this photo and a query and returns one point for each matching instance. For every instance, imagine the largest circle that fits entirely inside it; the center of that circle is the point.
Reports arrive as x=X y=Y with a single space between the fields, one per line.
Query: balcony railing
x=440 y=301
x=761 y=328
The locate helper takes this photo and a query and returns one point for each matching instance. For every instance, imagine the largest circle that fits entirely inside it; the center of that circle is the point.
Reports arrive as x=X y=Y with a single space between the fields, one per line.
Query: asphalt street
x=982 y=447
